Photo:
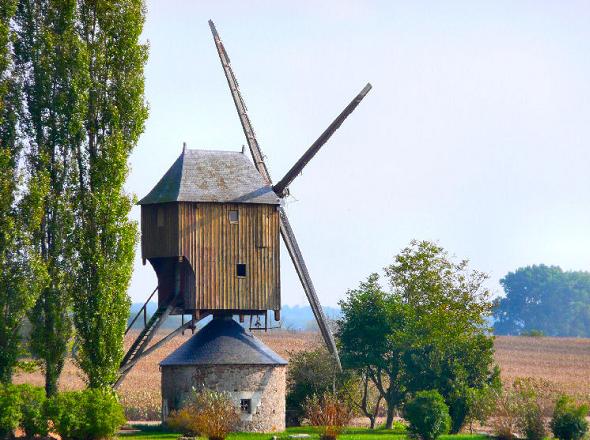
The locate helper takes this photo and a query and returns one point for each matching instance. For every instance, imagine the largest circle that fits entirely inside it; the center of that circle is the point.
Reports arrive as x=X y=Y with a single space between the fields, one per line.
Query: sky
x=476 y=133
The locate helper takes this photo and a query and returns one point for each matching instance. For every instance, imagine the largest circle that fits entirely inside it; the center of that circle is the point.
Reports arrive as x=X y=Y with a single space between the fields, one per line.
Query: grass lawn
x=156 y=432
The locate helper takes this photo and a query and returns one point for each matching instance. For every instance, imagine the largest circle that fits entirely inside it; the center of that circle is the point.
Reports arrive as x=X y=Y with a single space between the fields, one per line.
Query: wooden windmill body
x=210 y=229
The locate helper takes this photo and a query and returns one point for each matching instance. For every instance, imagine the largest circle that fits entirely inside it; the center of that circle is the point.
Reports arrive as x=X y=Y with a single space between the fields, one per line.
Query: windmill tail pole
x=282 y=185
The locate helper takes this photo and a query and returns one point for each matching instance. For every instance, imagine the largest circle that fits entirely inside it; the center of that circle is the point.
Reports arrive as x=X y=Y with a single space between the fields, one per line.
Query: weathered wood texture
x=211 y=247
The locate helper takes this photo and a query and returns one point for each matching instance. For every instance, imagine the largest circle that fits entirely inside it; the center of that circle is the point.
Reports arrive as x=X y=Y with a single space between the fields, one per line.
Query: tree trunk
x=372 y=419
x=390 y=412
x=50 y=380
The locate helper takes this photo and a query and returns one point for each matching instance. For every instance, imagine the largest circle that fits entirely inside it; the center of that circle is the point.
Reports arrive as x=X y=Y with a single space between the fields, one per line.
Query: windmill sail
x=285 y=227
x=240 y=106
x=297 y=258
x=281 y=187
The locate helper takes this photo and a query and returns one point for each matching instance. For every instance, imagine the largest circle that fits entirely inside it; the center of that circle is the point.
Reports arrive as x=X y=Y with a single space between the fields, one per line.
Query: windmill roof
x=211 y=176
x=223 y=342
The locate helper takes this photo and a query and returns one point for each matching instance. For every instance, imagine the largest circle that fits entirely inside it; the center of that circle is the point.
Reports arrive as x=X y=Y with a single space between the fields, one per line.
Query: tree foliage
x=545 y=300
x=21 y=271
x=50 y=60
x=81 y=69
x=105 y=238
x=427 y=332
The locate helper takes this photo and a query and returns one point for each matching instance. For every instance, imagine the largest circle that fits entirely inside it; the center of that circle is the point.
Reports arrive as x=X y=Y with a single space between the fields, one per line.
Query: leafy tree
x=544 y=300
x=83 y=85
x=49 y=56
x=428 y=332
x=21 y=274
x=114 y=118
x=362 y=395
x=372 y=338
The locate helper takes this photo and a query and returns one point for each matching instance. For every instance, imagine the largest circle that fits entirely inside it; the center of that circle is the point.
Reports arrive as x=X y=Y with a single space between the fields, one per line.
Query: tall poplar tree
x=106 y=238
x=21 y=272
x=51 y=59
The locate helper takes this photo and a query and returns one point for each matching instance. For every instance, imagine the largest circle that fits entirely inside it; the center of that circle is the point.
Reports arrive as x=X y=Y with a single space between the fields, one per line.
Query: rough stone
x=264 y=385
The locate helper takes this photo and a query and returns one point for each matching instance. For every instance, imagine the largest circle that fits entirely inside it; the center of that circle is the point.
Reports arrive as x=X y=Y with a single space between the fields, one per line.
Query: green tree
x=50 y=58
x=544 y=299
x=114 y=118
x=21 y=274
x=428 y=332
x=373 y=338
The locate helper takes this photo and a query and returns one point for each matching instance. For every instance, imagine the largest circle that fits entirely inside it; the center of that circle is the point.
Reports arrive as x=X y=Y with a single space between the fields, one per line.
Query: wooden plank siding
x=212 y=247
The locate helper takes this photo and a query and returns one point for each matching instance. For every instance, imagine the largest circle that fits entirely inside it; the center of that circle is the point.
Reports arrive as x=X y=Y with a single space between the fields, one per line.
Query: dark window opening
x=246 y=406
x=241 y=270
x=233 y=216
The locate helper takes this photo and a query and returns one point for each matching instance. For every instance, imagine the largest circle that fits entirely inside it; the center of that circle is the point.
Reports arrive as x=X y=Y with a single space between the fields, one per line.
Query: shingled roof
x=223 y=342
x=211 y=176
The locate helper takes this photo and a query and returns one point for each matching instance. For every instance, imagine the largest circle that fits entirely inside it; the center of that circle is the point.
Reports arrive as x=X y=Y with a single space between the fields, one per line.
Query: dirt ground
x=565 y=362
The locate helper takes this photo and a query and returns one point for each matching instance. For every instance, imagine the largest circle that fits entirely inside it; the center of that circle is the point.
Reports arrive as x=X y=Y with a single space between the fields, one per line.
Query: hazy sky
x=476 y=133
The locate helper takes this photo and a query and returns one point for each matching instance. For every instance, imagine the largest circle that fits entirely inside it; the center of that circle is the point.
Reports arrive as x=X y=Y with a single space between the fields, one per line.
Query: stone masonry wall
x=264 y=385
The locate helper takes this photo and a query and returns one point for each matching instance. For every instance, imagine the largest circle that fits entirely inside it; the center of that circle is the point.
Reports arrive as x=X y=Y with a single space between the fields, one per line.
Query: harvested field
x=140 y=391
x=565 y=362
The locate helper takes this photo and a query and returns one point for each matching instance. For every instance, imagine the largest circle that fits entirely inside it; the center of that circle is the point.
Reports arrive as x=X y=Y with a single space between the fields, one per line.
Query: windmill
x=210 y=229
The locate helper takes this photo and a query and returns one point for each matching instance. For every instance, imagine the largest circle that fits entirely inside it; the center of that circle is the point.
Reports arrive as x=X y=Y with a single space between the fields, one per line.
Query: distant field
x=563 y=361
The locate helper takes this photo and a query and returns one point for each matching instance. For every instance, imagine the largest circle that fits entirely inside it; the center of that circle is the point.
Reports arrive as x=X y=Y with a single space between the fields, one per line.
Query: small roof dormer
x=214 y=177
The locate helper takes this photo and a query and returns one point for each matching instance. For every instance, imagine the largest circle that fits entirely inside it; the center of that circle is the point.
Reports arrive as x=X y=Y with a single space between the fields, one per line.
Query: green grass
x=156 y=432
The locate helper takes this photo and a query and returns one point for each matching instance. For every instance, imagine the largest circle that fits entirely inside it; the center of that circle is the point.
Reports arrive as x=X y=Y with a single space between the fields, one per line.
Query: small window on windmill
x=246 y=406
x=241 y=269
x=233 y=216
x=160 y=216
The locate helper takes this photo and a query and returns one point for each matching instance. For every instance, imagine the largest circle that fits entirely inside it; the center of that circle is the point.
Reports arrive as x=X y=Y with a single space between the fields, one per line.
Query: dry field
x=563 y=361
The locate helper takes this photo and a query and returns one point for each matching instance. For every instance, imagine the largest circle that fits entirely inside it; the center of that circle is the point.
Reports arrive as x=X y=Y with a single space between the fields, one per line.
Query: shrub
x=33 y=415
x=327 y=412
x=428 y=415
x=520 y=409
x=183 y=421
x=208 y=413
x=89 y=414
x=10 y=410
x=569 y=420
x=310 y=372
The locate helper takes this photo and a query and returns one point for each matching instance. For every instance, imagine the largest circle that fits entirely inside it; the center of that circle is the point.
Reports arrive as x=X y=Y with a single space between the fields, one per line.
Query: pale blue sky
x=476 y=133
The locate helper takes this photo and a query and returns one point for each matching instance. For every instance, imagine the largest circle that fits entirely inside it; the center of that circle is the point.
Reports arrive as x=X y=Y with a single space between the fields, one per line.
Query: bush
x=310 y=372
x=89 y=414
x=569 y=420
x=33 y=414
x=520 y=409
x=10 y=410
x=327 y=412
x=208 y=413
x=428 y=415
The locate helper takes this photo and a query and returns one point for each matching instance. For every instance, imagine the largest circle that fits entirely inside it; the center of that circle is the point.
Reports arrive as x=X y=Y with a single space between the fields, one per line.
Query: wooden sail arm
x=301 y=269
x=281 y=187
x=255 y=150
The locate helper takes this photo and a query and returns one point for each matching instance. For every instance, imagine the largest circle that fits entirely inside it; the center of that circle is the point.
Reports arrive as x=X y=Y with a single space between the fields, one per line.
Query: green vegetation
x=428 y=415
x=544 y=301
x=427 y=332
x=157 y=433
x=569 y=420
x=310 y=372
x=72 y=109
x=22 y=276
x=88 y=414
